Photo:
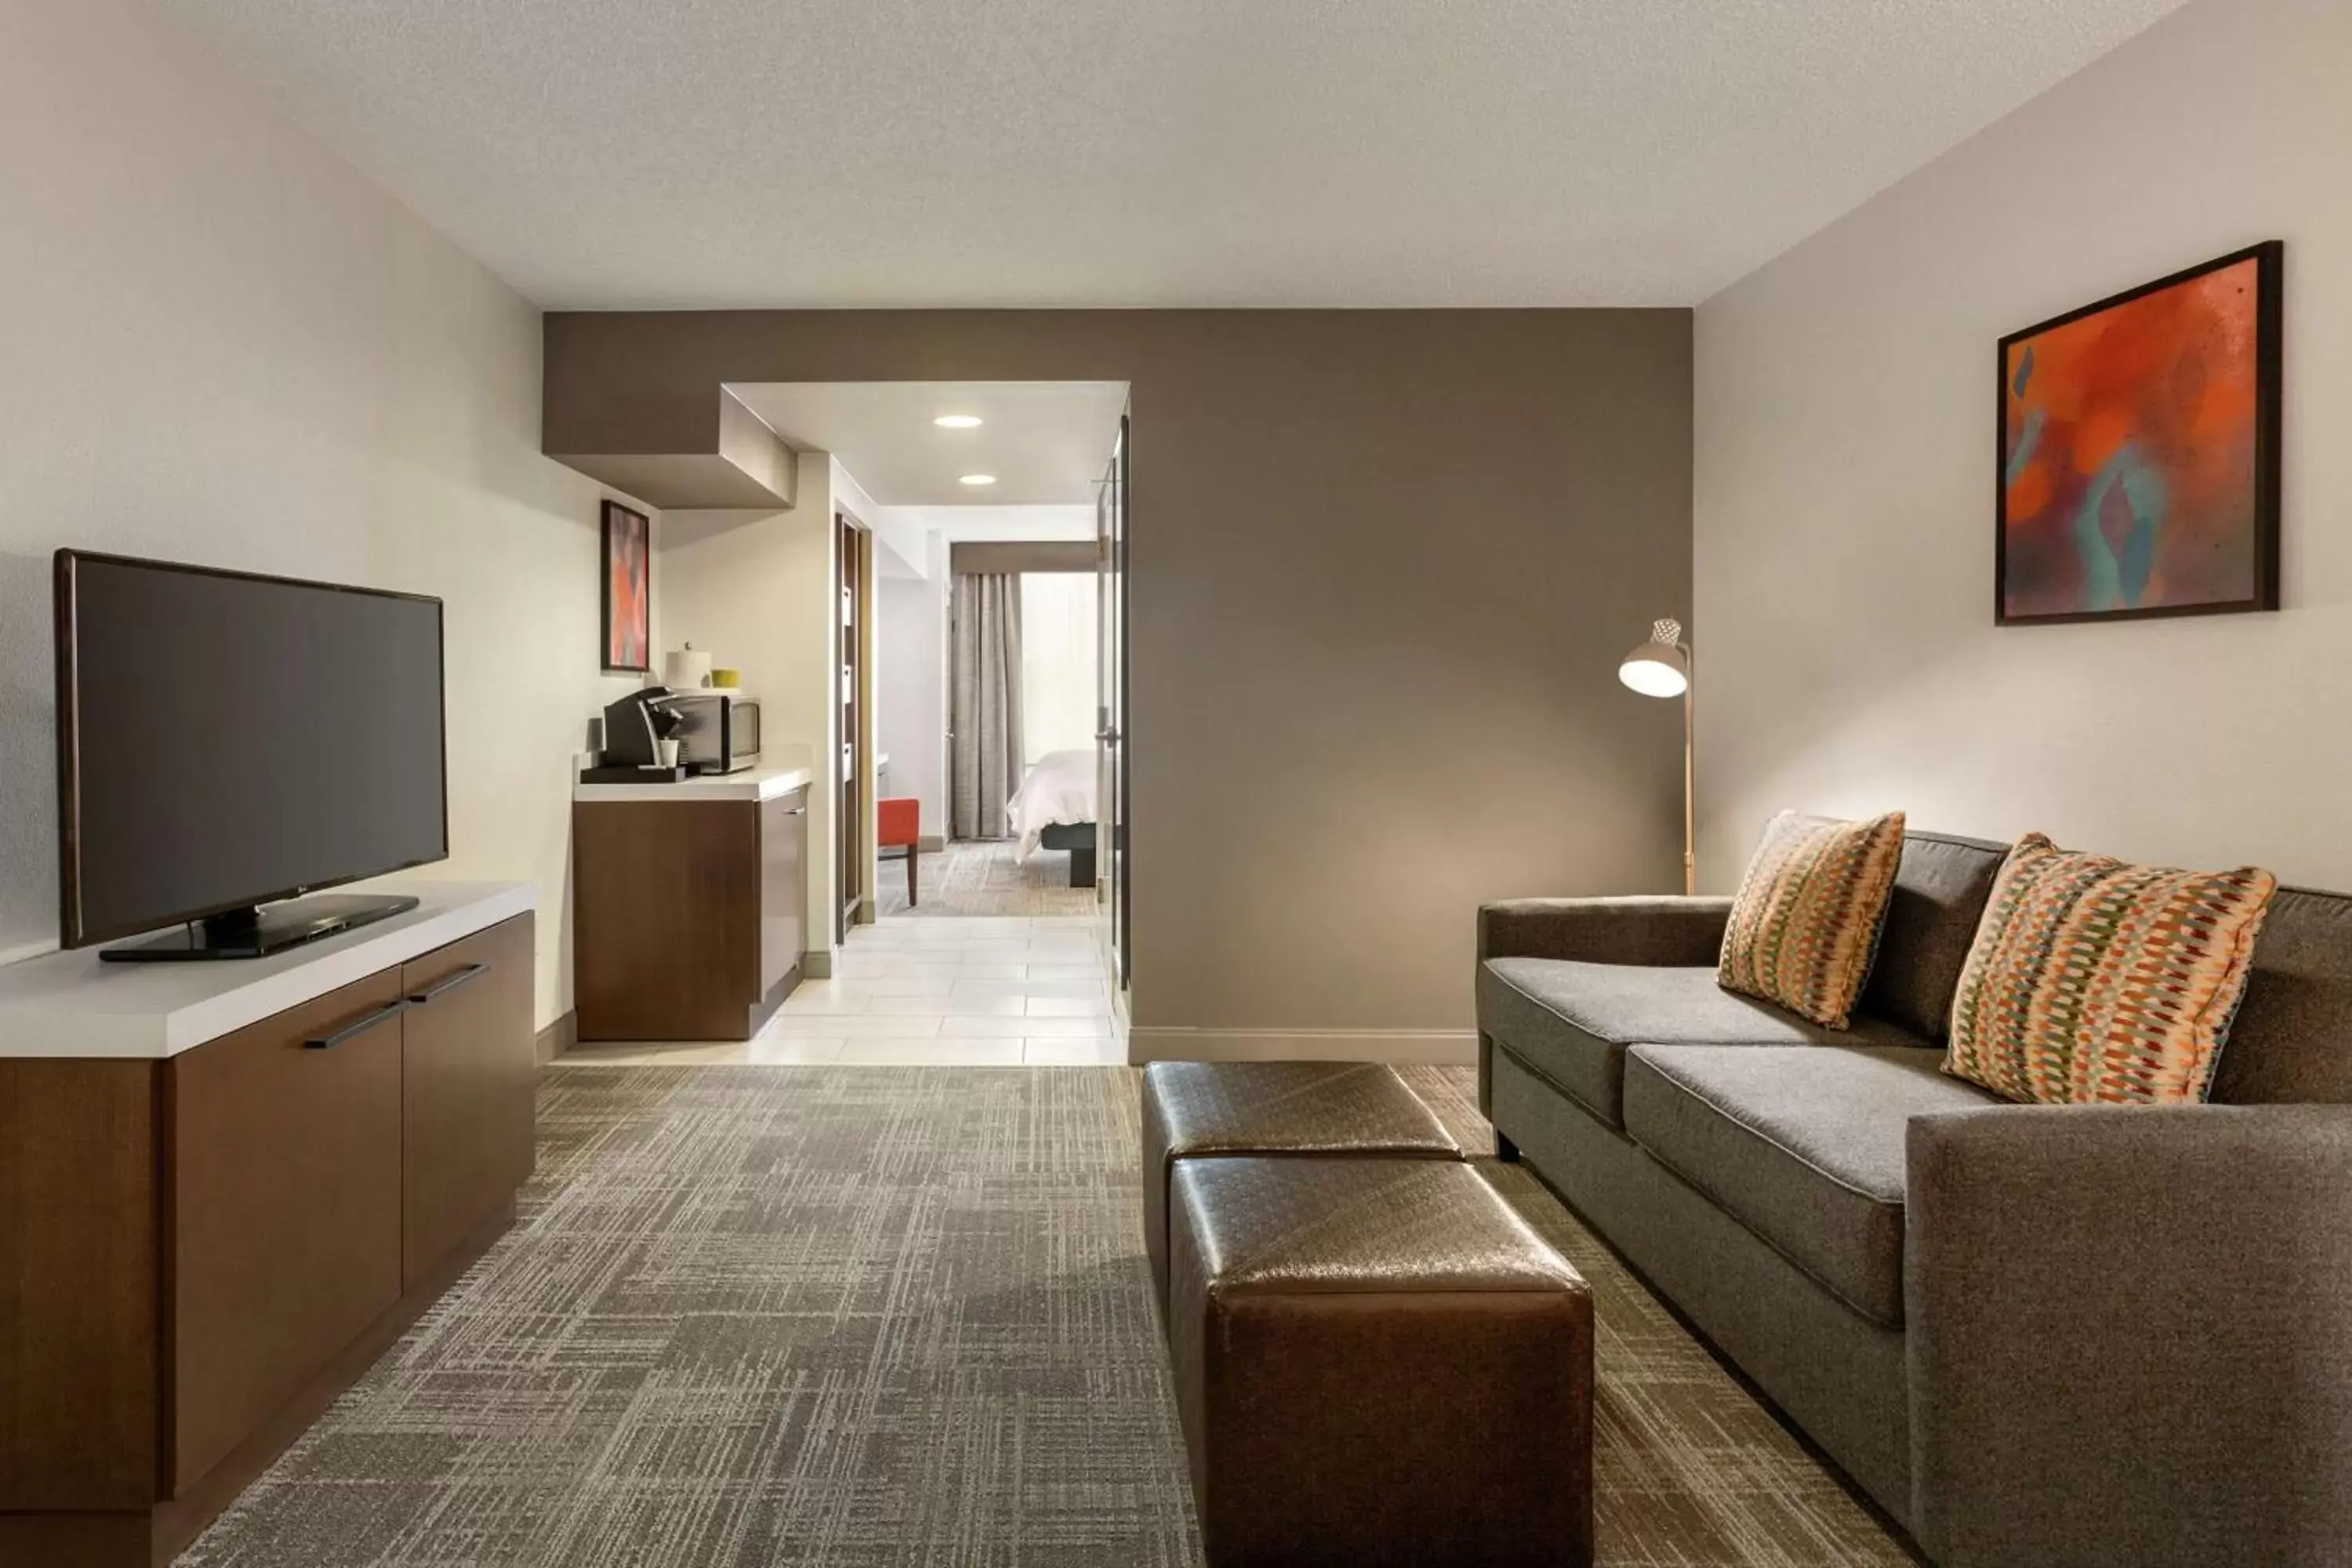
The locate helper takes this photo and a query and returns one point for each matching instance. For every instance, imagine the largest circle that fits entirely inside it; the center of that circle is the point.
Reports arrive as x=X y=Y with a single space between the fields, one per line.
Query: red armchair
x=900 y=824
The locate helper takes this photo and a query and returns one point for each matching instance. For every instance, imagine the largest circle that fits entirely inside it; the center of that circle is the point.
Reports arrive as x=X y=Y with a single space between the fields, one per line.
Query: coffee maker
x=633 y=728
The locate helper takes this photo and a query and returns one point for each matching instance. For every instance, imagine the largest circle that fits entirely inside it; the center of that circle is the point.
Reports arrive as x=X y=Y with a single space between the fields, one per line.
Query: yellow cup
x=727 y=678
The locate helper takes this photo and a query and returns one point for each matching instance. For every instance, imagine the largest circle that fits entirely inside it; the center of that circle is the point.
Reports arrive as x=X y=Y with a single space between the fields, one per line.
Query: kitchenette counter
x=689 y=903
x=751 y=784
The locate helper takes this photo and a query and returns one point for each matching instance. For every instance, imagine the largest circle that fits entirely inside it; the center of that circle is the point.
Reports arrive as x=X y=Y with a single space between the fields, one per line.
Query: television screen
x=226 y=739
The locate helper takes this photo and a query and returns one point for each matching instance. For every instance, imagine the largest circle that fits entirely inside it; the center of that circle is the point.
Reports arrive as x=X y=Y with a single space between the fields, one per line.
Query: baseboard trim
x=817 y=964
x=766 y=1007
x=933 y=843
x=557 y=1037
x=1396 y=1046
x=30 y=950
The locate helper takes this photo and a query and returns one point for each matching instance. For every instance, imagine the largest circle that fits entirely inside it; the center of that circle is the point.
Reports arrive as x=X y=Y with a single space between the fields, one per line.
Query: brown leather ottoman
x=1377 y=1361
x=1289 y=1108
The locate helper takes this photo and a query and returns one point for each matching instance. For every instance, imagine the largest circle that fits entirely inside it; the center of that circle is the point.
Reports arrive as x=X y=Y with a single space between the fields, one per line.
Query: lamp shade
x=1660 y=667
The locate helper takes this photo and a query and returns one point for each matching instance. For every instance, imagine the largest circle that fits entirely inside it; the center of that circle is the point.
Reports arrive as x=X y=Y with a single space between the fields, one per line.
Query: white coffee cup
x=666 y=750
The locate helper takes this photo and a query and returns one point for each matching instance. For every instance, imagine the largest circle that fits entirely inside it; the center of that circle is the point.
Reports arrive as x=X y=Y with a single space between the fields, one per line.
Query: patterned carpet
x=874 y=1316
x=972 y=877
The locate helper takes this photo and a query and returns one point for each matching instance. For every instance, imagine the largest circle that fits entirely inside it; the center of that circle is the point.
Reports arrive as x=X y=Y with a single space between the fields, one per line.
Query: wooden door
x=849 y=830
x=285 y=1208
x=468 y=1077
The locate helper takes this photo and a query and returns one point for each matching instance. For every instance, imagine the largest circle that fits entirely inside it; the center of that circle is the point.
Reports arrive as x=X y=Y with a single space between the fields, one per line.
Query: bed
x=1055 y=809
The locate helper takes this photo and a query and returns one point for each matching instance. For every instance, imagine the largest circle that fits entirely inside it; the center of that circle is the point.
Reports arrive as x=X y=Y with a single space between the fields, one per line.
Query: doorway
x=854 y=860
x=967 y=651
x=1023 y=683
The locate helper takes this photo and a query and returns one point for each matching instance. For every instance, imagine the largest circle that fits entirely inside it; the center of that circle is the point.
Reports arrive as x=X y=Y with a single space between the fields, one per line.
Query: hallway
x=975 y=991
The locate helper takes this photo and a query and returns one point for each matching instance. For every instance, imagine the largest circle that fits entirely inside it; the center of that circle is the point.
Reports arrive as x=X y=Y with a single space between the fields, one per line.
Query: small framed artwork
x=2139 y=451
x=628 y=590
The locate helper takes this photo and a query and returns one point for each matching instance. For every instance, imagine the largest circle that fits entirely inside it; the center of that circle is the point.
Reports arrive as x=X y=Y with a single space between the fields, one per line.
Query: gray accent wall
x=1045 y=555
x=1384 y=566
x=1847 y=658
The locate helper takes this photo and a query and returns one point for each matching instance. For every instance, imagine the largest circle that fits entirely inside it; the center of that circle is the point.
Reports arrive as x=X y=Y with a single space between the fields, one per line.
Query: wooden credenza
x=198 y=1251
x=690 y=906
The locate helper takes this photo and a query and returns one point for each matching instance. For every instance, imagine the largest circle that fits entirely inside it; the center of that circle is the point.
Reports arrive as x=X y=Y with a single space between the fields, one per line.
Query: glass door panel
x=1112 y=883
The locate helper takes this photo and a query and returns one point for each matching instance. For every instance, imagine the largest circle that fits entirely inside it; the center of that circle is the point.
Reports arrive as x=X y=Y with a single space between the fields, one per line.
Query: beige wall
x=1845 y=440
x=1384 y=566
x=755 y=589
x=224 y=345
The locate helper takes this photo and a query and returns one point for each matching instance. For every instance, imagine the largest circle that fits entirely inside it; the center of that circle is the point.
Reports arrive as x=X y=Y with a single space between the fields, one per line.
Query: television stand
x=256 y=932
x=225 y=1189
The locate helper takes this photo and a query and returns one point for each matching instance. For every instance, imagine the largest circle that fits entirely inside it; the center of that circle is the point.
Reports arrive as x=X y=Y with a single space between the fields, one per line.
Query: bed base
x=1078 y=839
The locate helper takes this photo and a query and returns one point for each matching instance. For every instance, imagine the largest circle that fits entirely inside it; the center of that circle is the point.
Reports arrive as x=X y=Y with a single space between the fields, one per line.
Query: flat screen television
x=226 y=743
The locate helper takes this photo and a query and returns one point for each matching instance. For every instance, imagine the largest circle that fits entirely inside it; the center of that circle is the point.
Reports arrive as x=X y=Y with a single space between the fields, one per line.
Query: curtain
x=984 y=709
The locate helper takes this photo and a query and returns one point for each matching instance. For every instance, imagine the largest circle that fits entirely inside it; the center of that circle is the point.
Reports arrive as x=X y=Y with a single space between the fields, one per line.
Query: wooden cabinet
x=80 y=1397
x=783 y=888
x=689 y=916
x=286 y=1178
x=468 y=1070
x=198 y=1251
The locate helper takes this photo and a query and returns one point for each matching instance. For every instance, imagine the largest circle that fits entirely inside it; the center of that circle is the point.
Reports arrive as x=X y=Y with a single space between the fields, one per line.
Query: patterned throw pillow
x=2092 y=980
x=1806 y=922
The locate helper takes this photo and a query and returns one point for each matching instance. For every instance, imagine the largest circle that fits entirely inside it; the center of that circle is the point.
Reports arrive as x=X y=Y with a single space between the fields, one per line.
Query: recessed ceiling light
x=958 y=421
x=978 y=480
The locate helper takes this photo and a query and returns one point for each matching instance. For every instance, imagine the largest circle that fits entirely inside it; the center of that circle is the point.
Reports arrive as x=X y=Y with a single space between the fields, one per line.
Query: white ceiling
x=626 y=153
x=1045 y=441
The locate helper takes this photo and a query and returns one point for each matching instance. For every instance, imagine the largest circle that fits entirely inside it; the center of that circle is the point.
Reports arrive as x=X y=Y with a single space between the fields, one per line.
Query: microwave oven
x=719 y=732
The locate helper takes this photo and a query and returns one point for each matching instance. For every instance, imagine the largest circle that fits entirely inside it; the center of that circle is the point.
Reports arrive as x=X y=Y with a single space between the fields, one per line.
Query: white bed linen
x=1060 y=788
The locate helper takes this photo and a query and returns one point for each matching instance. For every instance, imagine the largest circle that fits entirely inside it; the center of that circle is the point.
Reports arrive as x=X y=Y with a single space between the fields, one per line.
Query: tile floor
x=982 y=991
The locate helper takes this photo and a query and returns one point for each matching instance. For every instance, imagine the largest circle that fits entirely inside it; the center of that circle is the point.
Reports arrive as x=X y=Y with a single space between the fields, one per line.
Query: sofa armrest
x=1678 y=932
x=2130 y=1334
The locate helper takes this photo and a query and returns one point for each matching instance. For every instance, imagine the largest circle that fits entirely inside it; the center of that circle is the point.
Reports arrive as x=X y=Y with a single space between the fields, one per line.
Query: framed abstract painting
x=2139 y=451
x=628 y=590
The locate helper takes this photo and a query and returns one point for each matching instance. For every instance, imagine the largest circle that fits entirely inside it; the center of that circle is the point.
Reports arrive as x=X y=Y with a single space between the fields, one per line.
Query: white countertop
x=74 y=1005
x=752 y=783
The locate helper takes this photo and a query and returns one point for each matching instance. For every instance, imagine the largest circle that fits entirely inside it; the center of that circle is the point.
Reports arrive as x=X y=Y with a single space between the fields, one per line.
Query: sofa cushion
x=1805 y=925
x=1940 y=888
x=2292 y=1044
x=1572 y=1022
x=2093 y=981
x=1804 y=1146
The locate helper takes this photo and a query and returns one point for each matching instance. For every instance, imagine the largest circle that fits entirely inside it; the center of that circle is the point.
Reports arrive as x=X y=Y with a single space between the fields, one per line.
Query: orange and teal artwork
x=2139 y=451
x=628 y=589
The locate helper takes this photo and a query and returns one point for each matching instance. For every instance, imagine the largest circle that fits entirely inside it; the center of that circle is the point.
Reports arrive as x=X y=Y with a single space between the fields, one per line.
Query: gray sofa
x=2034 y=1334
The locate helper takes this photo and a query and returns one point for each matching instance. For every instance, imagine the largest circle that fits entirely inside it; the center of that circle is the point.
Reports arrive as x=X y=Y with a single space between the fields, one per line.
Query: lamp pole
x=1663 y=667
x=1690 y=777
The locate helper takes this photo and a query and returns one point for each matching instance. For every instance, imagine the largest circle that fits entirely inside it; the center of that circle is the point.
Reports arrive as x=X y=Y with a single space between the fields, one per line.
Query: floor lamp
x=1662 y=667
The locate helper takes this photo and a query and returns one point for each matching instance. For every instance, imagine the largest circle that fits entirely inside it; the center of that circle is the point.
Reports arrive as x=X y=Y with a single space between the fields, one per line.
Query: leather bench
x=1377 y=1361
x=1198 y=1109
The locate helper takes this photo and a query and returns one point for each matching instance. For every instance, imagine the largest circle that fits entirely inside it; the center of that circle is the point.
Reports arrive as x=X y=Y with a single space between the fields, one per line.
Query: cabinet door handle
x=797 y=811
x=448 y=984
x=354 y=1030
